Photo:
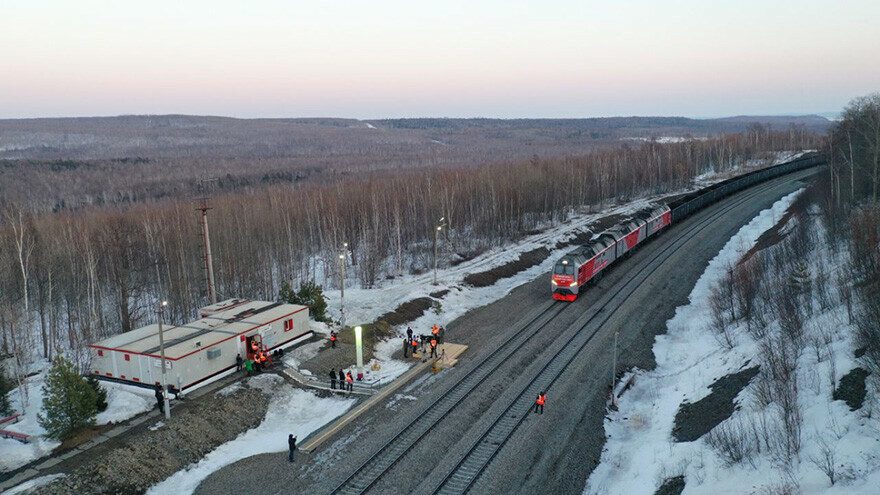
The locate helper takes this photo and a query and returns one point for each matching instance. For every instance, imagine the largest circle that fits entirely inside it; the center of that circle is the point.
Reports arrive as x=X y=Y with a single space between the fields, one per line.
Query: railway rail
x=569 y=344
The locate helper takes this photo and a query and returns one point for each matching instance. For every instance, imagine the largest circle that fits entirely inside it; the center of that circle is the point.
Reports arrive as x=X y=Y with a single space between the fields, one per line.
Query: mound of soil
x=407 y=311
x=694 y=420
x=149 y=457
x=526 y=260
x=851 y=388
x=671 y=486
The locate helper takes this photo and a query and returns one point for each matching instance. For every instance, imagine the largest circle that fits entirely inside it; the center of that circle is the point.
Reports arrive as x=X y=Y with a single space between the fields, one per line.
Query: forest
x=73 y=276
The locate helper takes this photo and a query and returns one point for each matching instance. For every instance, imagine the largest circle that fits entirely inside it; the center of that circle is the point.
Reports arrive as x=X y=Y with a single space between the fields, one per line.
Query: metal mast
x=206 y=241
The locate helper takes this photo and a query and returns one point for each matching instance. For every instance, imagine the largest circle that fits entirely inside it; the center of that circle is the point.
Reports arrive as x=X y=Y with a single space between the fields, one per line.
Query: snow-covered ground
x=122 y=403
x=640 y=452
x=291 y=411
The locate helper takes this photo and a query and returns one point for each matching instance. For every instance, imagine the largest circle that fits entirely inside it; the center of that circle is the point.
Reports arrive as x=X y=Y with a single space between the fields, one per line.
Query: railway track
x=487 y=445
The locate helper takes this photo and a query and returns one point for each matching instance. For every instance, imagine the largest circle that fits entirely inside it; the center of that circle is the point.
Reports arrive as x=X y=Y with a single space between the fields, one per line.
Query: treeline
x=71 y=278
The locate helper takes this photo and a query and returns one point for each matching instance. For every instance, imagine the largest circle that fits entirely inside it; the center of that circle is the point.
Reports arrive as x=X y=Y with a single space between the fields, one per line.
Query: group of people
x=412 y=343
x=257 y=361
x=346 y=380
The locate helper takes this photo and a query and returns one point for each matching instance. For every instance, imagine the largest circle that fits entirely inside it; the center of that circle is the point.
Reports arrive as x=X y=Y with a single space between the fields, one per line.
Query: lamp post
x=342 y=284
x=359 y=352
x=436 y=235
x=159 y=311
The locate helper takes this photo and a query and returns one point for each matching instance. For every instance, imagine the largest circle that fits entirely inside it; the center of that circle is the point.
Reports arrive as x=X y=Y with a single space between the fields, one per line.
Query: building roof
x=205 y=332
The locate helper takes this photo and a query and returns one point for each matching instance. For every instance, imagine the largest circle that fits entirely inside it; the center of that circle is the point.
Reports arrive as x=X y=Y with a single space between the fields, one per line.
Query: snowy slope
x=640 y=452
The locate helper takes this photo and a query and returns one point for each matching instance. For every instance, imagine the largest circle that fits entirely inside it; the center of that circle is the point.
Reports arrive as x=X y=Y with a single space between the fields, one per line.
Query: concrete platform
x=449 y=353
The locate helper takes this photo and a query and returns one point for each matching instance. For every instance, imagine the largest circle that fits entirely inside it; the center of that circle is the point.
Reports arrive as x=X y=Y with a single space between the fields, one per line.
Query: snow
x=640 y=452
x=122 y=403
x=291 y=411
x=33 y=483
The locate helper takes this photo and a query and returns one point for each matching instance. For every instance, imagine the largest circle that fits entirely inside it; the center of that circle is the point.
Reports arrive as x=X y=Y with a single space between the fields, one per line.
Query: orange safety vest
x=348 y=378
x=332 y=337
x=433 y=343
x=541 y=399
x=254 y=346
x=262 y=357
x=435 y=330
x=415 y=344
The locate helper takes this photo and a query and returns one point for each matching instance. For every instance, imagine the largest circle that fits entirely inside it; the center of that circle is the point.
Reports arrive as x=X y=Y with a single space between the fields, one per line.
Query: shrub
x=69 y=401
x=310 y=294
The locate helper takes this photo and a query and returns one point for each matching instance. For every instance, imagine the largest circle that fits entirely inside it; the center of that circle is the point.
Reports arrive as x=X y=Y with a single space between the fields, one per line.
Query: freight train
x=585 y=263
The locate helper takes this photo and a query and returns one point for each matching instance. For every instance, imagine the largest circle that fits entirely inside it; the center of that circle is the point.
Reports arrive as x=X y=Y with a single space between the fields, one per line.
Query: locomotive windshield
x=563 y=269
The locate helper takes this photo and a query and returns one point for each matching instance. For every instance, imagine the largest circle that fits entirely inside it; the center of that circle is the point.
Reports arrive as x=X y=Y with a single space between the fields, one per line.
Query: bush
x=101 y=400
x=69 y=402
x=310 y=294
x=5 y=386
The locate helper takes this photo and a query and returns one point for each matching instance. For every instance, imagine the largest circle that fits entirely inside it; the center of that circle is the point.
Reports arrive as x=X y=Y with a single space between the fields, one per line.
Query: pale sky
x=380 y=58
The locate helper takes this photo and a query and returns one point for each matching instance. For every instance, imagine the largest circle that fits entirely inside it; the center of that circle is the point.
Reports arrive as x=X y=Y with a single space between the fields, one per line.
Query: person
x=262 y=360
x=332 y=339
x=434 y=347
x=415 y=346
x=332 y=379
x=341 y=379
x=409 y=333
x=291 y=444
x=254 y=347
x=405 y=348
x=440 y=334
x=349 y=381
x=249 y=366
x=257 y=368
x=238 y=362
x=160 y=399
x=539 y=402
x=435 y=330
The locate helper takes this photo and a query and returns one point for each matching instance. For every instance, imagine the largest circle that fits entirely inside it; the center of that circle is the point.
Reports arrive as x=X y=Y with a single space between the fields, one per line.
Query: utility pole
x=159 y=311
x=209 y=262
x=436 y=235
x=342 y=284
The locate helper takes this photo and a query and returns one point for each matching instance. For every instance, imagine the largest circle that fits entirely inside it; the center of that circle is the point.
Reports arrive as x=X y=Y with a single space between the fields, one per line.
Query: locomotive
x=586 y=262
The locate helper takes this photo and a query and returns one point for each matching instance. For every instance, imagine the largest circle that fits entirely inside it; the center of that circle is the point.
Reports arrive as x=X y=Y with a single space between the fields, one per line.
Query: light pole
x=359 y=352
x=436 y=235
x=159 y=311
x=342 y=284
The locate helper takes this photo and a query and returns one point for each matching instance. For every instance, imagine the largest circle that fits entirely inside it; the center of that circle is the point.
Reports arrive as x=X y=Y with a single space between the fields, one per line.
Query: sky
x=372 y=59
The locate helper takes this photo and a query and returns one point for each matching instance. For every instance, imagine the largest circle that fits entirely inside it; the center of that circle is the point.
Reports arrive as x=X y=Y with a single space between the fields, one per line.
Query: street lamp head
x=164 y=303
x=442 y=218
x=344 y=244
x=439 y=227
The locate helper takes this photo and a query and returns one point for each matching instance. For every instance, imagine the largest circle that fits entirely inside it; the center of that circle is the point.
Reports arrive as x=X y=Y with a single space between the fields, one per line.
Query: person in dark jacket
x=332 y=379
x=409 y=333
x=291 y=444
x=405 y=348
x=160 y=399
x=238 y=362
x=341 y=379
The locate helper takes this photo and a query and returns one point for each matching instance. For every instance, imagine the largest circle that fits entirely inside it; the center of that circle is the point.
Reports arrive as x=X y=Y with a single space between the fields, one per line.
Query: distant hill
x=70 y=161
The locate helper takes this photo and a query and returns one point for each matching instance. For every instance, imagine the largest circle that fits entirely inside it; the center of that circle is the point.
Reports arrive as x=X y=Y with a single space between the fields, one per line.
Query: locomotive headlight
x=554 y=282
x=572 y=284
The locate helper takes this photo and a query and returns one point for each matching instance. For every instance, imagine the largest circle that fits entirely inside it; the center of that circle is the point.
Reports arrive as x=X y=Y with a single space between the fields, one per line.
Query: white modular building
x=200 y=350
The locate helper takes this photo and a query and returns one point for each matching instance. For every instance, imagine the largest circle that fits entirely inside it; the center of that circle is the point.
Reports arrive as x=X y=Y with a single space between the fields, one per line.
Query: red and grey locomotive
x=586 y=262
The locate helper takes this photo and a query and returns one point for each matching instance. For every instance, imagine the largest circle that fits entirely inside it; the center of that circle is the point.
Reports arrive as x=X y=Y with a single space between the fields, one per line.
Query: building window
x=127 y=357
x=288 y=325
x=100 y=352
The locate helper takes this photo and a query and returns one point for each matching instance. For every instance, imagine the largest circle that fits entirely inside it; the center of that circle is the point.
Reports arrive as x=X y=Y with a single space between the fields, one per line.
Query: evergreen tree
x=5 y=387
x=101 y=400
x=800 y=279
x=286 y=294
x=69 y=402
x=310 y=294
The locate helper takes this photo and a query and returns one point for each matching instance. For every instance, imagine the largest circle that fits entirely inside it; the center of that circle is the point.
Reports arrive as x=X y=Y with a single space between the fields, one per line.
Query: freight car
x=585 y=263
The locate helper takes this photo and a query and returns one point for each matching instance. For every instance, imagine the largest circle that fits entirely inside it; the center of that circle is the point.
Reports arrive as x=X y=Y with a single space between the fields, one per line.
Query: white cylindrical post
x=614 y=364
x=161 y=310
x=359 y=350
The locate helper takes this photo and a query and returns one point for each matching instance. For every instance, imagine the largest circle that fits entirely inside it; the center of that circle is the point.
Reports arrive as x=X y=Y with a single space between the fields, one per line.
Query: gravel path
x=550 y=453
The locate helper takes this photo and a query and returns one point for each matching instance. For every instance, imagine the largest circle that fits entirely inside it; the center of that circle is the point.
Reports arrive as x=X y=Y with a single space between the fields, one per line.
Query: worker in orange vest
x=333 y=339
x=349 y=381
x=539 y=402
x=415 y=345
x=433 y=347
x=254 y=346
x=435 y=330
